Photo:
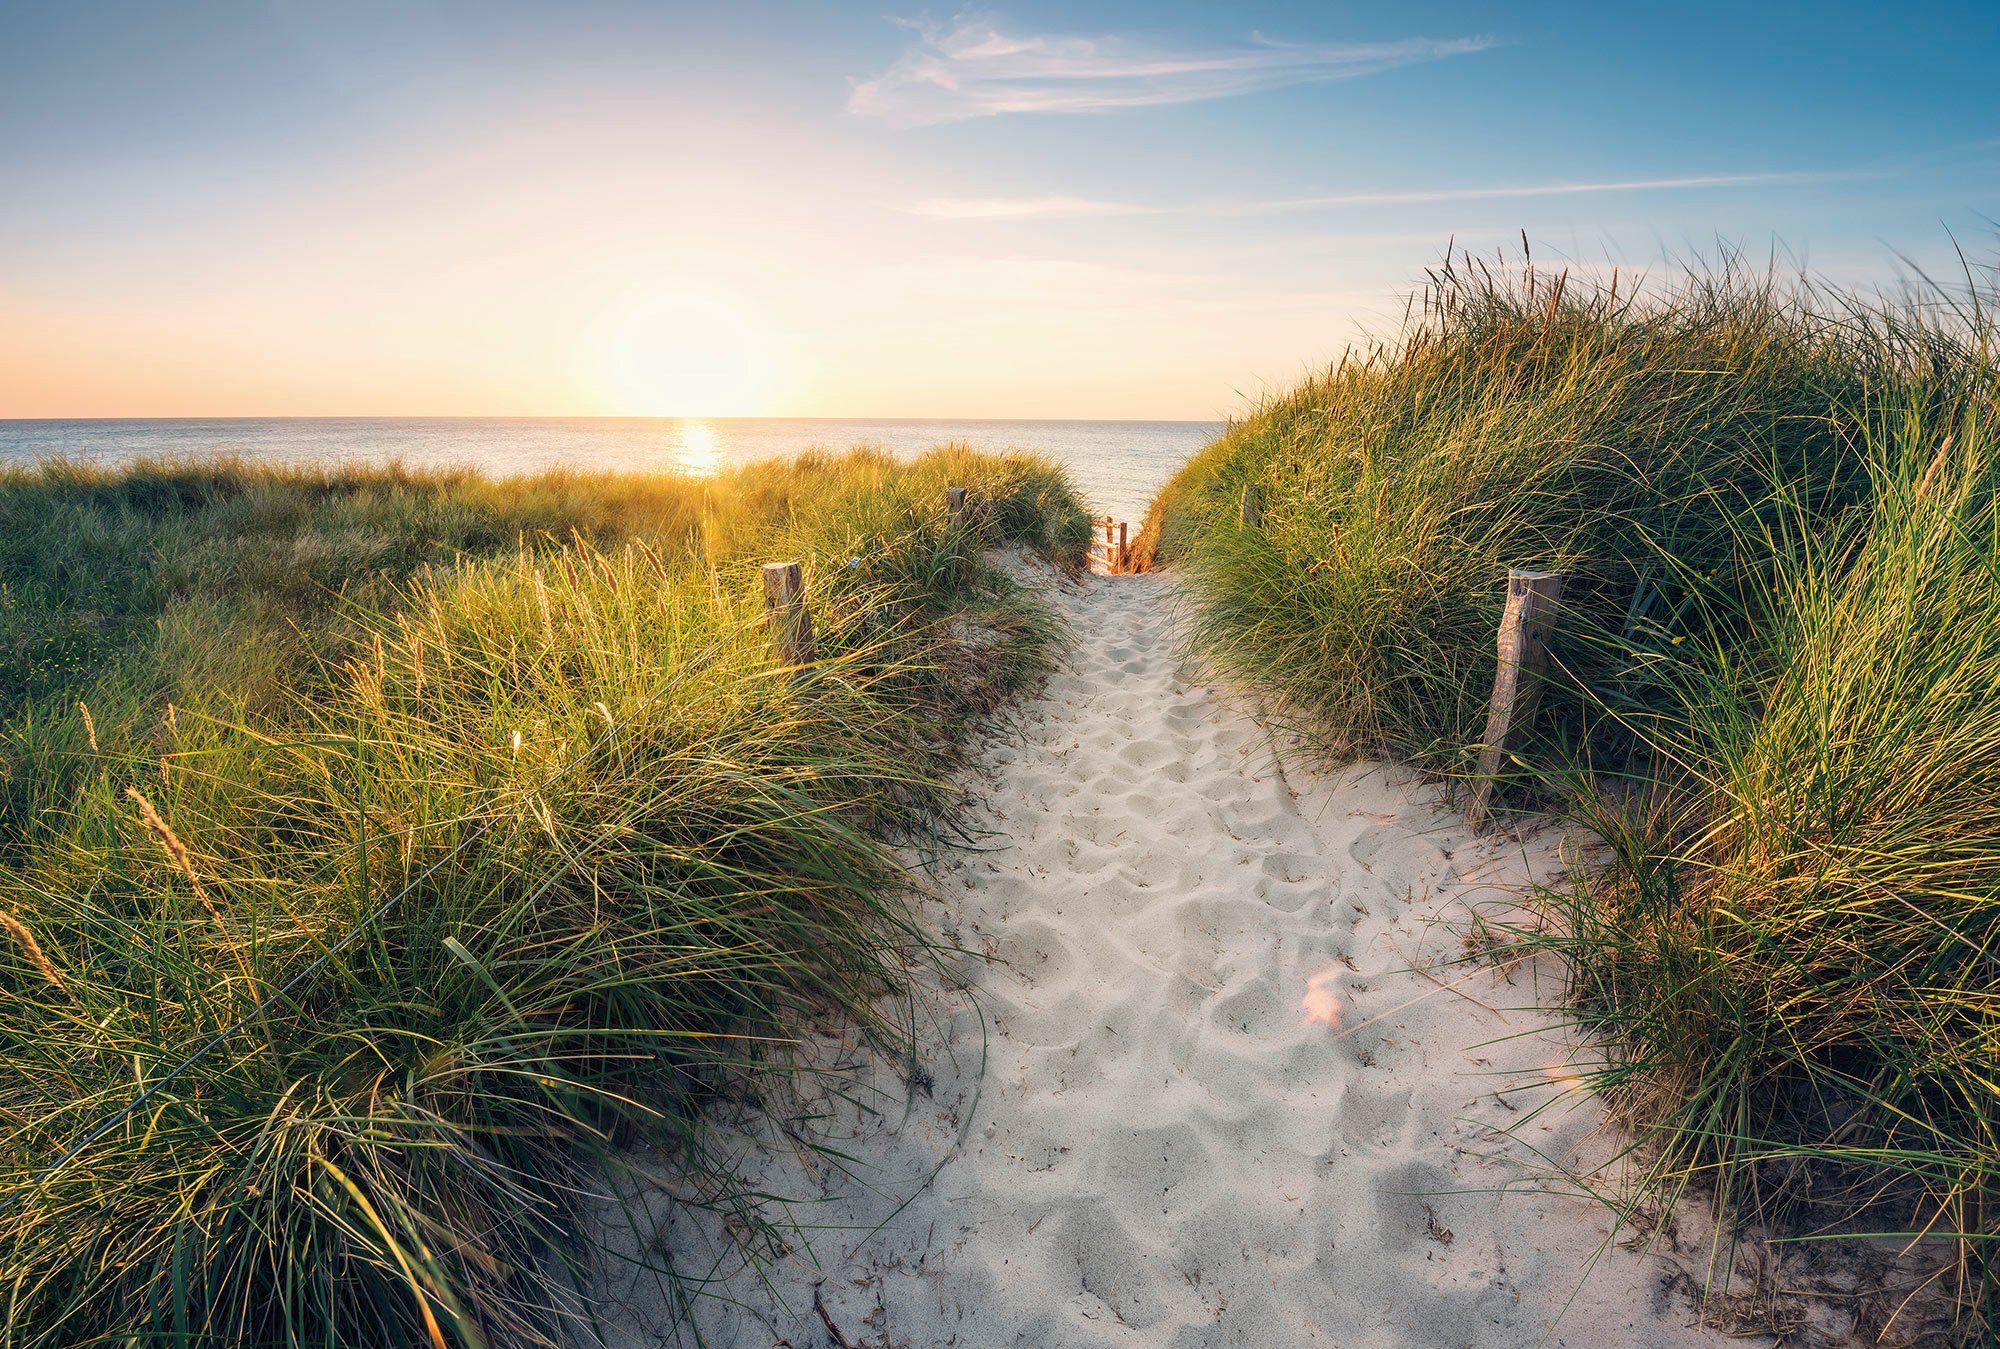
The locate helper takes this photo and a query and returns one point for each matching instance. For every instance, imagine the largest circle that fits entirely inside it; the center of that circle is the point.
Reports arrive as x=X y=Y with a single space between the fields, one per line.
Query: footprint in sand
x=1200 y=1102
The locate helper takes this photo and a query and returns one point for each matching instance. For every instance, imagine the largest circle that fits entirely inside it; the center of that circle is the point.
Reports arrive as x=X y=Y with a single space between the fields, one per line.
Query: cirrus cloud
x=1014 y=208
x=972 y=68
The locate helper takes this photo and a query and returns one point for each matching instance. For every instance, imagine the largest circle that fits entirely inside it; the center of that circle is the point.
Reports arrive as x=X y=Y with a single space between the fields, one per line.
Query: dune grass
x=473 y=831
x=1797 y=943
x=1776 y=692
x=1523 y=420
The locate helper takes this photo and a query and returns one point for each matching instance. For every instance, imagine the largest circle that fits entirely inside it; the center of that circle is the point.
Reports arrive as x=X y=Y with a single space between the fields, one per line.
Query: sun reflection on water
x=700 y=450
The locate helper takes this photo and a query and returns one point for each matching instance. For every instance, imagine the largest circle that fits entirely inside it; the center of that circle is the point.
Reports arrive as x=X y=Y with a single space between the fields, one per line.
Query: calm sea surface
x=1118 y=465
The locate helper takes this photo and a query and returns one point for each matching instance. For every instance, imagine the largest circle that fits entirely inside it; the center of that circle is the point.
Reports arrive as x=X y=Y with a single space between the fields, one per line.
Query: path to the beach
x=1210 y=1100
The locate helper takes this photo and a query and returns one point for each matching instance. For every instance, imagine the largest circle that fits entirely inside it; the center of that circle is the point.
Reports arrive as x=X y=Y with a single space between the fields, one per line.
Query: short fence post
x=1251 y=508
x=785 y=600
x=1123 y=554
x=958 y=519
x=1532 y=597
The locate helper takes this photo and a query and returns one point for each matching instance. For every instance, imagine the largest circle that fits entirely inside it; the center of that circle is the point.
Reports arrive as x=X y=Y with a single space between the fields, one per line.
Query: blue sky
x=1116 y=210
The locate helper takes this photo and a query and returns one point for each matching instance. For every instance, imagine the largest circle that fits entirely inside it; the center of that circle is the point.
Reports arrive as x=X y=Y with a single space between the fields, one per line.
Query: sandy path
x=1216 y=1105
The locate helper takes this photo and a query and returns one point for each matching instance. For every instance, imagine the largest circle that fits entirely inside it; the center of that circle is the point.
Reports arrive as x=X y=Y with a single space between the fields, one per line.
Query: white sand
x=1207 y=1102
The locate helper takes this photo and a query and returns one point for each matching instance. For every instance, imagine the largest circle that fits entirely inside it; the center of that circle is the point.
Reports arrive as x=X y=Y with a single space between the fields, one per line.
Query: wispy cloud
x=1449 y=194
x=972 y=68
x=1008 y=208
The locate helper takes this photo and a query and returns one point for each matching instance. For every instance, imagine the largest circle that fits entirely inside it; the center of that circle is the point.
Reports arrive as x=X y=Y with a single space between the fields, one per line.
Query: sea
x=1117 y=465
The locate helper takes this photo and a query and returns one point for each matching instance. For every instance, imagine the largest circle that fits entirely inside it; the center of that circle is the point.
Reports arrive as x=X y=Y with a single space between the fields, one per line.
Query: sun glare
x=699 y=451
x=676 y=354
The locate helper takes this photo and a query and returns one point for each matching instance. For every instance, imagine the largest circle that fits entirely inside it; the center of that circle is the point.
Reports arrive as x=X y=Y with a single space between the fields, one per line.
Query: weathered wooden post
x=791 y=621
x=1251 y=509
x=1123 y=556
x=959 y=519
x=1532 y=597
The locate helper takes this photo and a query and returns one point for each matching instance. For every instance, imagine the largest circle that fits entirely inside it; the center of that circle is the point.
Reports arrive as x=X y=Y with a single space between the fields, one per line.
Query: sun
x=676 y=353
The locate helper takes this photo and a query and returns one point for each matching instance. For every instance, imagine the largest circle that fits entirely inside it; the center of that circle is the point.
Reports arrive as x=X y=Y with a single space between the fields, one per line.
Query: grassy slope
x=1779 y=511
x=245 y=708
x=1797 y=945
x=1539 y=424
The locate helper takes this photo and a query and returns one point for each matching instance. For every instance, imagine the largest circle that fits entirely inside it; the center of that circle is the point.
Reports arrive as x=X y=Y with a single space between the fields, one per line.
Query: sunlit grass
x=1798 y=942
x=638 y=855
x=1522 y=421
x=1776 y=694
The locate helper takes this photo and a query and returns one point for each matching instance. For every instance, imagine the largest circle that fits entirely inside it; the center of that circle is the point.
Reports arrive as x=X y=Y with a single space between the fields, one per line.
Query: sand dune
x=1216 y=1086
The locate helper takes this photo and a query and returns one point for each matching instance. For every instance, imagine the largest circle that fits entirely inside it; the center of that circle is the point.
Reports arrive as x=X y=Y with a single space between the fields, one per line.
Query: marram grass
x=1798 y=943
x=638 y=852
x=1776 y=695
x=1520 y=421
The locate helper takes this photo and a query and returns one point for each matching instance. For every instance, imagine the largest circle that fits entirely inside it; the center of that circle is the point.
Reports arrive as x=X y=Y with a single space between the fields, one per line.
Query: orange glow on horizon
x=524 y=269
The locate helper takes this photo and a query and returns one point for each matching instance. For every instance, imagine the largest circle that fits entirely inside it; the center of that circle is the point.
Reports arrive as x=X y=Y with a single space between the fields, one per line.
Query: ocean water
x=1118 y=465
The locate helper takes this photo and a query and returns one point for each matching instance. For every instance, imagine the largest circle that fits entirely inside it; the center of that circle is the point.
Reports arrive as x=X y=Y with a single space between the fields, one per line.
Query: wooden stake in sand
x=1124 y=552
x=791 y=621
x=959 y=517
x=1532 y=597
x=1251 y=509
x=959 y=521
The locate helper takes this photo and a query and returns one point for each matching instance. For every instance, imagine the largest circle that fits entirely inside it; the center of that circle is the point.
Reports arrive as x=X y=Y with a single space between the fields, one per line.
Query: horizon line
x=566 y=417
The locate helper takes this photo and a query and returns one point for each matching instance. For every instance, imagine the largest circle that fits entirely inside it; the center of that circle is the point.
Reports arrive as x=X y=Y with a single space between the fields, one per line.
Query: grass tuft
x=1775 y=696
x=469 y=832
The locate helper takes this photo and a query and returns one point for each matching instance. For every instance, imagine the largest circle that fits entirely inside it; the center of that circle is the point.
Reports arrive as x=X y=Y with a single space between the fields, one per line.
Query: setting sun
x=676 y=353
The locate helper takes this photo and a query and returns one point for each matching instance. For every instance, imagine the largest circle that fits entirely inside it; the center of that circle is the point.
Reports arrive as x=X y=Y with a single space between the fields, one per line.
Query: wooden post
x=791 y=621
x=1532 y=597
x=959 y=519
x=1251 y=509
x=1122 y=555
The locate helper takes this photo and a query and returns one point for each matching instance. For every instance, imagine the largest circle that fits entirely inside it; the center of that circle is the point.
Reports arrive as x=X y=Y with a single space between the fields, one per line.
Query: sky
x=1158 y=210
